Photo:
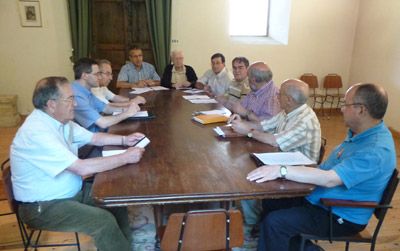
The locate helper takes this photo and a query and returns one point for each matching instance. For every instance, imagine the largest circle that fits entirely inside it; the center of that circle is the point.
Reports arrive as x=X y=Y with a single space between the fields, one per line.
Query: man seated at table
x=105 y=95
x=178 y=75
x=295 y=128
x=239 y=86
x=216 y=81
x=137 y=73
x=47 y=174
x=358 y=169
x=262 y=101
x=88 y=107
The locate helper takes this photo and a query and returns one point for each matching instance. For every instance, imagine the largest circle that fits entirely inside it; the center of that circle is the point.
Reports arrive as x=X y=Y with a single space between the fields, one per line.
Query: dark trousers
x=284 y=219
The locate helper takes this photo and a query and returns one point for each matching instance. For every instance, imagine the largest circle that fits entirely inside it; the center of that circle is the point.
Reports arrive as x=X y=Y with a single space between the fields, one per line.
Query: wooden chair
x=27 y=233
x=322 y=150
x=204 y=230
x=312 y=82
x=364 y=236
x=332 y=85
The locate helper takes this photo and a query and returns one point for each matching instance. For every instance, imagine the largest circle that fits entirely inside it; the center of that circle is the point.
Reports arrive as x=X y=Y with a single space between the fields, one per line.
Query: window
x=259 y=21
x=248 y=17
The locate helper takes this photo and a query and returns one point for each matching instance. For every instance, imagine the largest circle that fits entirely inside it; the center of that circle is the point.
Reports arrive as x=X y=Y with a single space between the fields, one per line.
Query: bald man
x=358 y=169
x=178 y=75
x=262 y=102
x=295 y=128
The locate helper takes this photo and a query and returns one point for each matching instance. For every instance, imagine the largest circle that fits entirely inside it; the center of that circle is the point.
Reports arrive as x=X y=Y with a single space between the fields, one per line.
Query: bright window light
x=248 y=17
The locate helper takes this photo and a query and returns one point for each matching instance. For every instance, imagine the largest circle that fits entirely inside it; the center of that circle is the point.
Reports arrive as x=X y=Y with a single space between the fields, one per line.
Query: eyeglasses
x=70 y=99
x=352 y=104
x=106 y=73
x=97 y=74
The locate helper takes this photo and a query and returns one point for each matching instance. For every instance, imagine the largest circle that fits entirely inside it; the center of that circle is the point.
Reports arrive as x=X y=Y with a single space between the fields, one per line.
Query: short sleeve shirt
x=130 y=74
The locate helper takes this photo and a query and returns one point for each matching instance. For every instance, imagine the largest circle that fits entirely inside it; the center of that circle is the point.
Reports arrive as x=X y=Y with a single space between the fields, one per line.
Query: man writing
x=105 y=95
x=47 y=174
x=358 y=169
x=295 y=128
x=262 y=101
x=137 y=73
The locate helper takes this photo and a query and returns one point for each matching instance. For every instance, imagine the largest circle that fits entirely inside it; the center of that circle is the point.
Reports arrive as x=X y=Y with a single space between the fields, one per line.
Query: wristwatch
x=283 y=172
x=250 y=133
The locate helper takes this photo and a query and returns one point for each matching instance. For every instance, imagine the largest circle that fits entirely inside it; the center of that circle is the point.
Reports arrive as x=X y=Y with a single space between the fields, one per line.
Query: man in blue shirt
x=358 y=169
x=47 y=174
x=88 y=107
x=137 y=73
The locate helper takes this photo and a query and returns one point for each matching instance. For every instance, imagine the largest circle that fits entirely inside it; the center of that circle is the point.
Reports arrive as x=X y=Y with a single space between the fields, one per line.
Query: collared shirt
x=103 y=93
x=88 y=108
x=178 y=77
x=298 y=130
x=238 y=89
x=263 y=102
x=364 y=163
x=219 y=83
x=42 y=150
x=130 y=74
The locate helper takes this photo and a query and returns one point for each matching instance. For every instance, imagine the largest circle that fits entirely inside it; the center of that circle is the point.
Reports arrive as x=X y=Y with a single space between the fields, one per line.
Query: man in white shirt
x=47 y=174
x=105 y=95
x=216 y=81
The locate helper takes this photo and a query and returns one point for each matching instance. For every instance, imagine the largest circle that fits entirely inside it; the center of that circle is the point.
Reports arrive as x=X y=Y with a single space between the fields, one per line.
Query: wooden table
x=186 y=162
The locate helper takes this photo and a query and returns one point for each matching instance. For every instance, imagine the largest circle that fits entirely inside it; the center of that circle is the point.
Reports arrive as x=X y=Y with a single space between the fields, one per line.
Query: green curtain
x=159 y=20
x=80 y=19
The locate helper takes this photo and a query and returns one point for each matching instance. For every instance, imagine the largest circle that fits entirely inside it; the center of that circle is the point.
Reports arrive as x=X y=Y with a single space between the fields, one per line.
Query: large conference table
x=185 y=161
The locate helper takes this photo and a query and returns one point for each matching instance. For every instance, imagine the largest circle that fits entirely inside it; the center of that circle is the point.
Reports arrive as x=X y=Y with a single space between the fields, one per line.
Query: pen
x=139 y=141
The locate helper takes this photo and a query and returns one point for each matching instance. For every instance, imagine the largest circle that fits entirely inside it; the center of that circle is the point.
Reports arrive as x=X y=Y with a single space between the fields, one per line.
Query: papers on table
x=222 y=111
x=199 y=99
x=193 y=91
x=139 y=114
x=142 y=143
x=148 y=89
x=284 y=158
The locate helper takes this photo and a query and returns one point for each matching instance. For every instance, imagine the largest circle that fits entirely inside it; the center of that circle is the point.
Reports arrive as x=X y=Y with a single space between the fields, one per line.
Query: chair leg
x=347 y=245
x=77 y=241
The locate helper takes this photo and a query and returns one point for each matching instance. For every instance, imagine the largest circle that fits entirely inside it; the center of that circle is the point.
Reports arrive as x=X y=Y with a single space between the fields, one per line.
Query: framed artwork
x=29 y=11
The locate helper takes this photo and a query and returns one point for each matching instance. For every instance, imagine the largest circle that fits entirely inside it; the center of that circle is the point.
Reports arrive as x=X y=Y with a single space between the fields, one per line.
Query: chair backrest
x=7 y=184
x=310 y=79
x=333 y=81
x=322 y=150
x=203 y=230
x=388 y=194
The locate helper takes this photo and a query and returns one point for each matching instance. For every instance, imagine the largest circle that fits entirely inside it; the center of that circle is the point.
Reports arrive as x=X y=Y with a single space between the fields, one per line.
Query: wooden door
x=116 y=25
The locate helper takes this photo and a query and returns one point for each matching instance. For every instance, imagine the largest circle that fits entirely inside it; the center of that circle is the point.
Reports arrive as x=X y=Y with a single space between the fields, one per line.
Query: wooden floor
x=332 y=129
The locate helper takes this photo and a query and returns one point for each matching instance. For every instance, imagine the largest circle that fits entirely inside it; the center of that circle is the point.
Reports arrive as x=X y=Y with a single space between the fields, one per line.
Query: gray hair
x=373 y=97
x=47 y=89
x=297 y=90
x=260 y=76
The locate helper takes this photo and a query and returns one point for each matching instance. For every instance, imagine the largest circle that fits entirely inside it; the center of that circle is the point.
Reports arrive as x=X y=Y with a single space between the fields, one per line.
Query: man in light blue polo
x=89 y=108
x=137 y=73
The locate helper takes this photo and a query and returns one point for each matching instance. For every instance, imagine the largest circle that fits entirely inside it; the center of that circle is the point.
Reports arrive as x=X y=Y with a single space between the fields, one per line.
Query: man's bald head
x=296 y=89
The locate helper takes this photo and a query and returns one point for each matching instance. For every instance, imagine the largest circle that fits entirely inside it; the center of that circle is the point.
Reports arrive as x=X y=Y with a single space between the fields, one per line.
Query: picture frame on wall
x=29 y=11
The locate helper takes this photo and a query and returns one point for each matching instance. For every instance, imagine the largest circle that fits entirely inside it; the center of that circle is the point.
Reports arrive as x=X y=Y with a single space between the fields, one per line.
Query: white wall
x=320 y=38
x=30 y=53
x=376 y=56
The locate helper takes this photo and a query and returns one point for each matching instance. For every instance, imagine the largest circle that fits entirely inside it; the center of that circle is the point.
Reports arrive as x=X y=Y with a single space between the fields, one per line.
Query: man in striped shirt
x=262 y=102
x=295 y=128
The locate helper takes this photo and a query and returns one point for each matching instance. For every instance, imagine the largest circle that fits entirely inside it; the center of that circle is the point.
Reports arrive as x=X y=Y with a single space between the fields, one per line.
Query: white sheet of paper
x=203 y=101
x=138 y=114
x=107 y=153
x=193 y=91
x=218 y=131
x=222 y=111
x=284 y=158
x=143 y=143
x=190 y=97
x=159 y=88
x=140 y=90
